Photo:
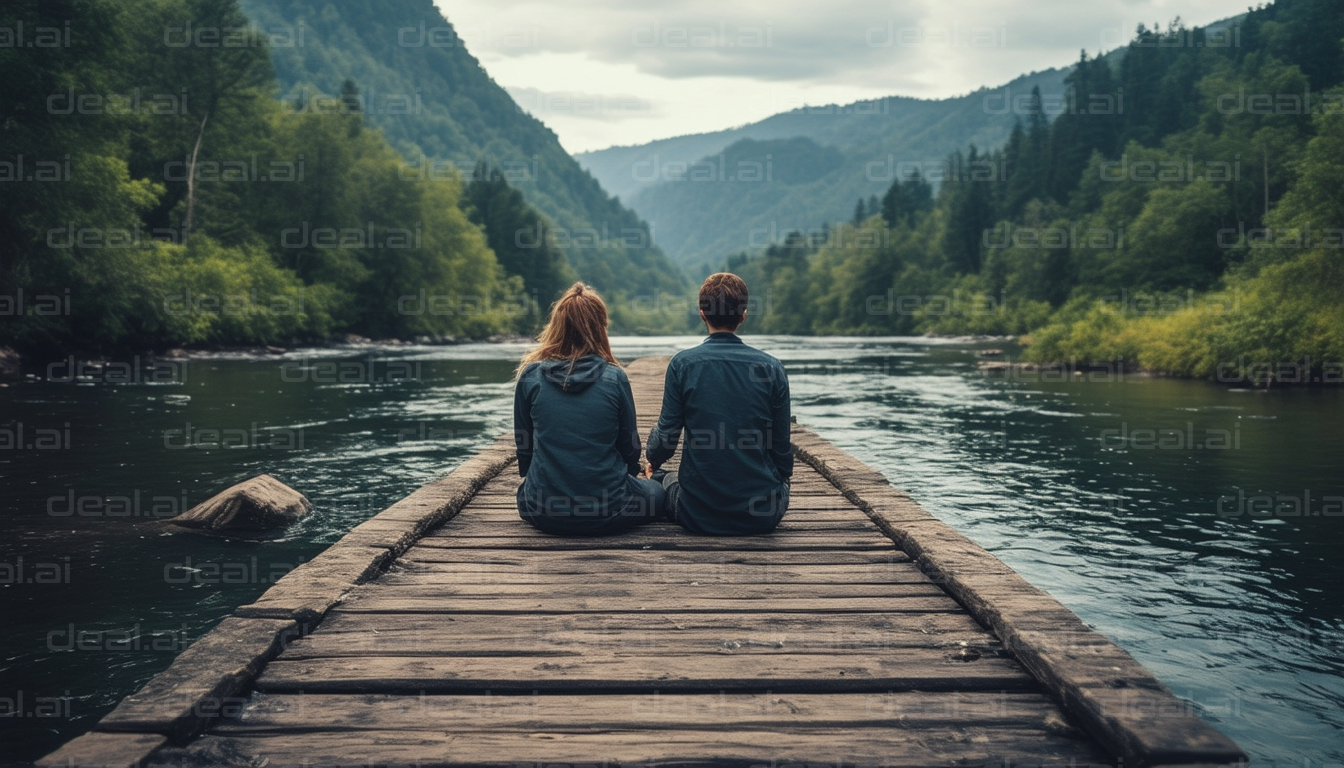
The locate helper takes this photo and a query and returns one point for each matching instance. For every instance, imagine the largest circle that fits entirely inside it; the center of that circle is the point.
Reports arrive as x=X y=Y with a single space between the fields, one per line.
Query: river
x=1197 y=525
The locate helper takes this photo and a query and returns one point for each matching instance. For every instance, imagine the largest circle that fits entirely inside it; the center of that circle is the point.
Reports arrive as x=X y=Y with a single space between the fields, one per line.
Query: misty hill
x=700 y=214
x=440 y=109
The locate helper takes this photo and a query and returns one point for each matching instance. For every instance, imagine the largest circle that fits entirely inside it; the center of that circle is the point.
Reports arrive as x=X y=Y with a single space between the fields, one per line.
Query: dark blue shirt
x=578 y=446
x=732 y=403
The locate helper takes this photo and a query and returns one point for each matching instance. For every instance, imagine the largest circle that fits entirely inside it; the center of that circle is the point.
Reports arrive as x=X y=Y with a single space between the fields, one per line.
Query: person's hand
x=648 y=471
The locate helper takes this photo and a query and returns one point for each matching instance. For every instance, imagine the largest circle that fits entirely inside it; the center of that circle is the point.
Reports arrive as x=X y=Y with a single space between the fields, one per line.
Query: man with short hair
x=732 y=402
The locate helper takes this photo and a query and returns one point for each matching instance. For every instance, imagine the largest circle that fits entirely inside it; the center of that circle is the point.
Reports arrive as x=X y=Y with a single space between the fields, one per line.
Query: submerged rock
x=258 y=504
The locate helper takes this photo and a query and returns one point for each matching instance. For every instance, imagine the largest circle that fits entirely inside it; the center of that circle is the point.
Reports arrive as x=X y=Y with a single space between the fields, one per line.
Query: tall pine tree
x=970 y=213
x=518 y=234
x=905 y=199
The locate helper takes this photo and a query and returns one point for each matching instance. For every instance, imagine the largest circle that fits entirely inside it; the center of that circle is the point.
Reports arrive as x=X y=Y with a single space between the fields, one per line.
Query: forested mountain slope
x=440 y=109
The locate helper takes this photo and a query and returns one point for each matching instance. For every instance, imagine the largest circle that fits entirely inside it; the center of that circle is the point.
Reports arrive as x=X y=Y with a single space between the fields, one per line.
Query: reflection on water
x=1159 y=510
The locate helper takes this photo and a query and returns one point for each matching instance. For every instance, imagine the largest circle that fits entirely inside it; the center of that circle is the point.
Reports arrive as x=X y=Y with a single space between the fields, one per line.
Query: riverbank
x=1096 y=356
x=76 y=366
x=1251 y=378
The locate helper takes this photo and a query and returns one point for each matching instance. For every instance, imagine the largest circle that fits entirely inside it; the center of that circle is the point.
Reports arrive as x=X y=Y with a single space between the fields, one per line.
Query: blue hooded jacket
x=578 y=445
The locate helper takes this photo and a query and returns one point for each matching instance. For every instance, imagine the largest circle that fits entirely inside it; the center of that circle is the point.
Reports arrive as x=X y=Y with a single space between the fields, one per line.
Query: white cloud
x=602 y=72
x=580 y=105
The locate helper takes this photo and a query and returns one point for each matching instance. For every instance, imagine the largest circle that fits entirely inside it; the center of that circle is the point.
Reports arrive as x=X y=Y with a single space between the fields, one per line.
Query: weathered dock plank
x=910 y=710
x=106 y=750
x=573 y=571
x=180 y=701
x=602 y=604
x=604 y=672
x=851 y=729
x=554 y=745
x=445 y=631
x=464 y=634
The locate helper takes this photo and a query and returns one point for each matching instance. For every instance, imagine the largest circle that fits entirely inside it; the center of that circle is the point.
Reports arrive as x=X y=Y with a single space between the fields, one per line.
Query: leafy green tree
x=202 y=60
x=1315 y=202
x=70 y=211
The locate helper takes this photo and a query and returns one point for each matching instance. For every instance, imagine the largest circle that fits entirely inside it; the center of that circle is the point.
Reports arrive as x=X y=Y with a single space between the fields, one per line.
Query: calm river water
x=1200 y=527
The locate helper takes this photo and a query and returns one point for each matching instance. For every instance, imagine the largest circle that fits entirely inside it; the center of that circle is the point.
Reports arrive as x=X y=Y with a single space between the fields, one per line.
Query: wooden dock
x=445 y=631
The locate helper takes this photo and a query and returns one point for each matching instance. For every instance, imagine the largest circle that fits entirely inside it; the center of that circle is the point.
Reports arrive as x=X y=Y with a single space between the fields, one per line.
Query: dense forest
x=1180 y=209
x=1182 y=212
x=158 y=192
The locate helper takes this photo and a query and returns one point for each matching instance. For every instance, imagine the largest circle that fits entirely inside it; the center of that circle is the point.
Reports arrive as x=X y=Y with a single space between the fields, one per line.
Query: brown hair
x=576 y=327
x=723 y=299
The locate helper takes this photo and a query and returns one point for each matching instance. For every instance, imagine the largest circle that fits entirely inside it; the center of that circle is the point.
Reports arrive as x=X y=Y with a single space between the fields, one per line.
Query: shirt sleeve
x=627 y=432
x=664 y=436
x=522 y=426
x=781 y=443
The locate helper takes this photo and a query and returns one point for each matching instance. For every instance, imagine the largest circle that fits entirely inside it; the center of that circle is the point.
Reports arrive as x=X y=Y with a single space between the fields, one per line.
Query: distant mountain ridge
x=441 y=110
x=702 y=220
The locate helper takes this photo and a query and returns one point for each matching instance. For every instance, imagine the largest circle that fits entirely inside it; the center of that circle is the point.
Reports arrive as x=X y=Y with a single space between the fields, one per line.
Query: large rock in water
x=258 y=504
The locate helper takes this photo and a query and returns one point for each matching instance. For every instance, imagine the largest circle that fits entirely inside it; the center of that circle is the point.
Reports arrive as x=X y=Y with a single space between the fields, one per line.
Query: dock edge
x=212 y=676
x=1110 y=694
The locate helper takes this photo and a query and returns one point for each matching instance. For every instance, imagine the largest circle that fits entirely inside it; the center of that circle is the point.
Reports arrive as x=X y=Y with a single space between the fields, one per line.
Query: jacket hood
x=584 y=372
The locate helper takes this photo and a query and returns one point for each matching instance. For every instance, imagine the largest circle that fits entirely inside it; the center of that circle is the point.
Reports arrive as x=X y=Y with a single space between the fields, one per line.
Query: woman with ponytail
x=574 y=424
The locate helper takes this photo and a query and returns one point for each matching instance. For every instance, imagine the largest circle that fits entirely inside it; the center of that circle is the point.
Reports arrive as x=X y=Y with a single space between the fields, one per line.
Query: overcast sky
x=604 y=72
